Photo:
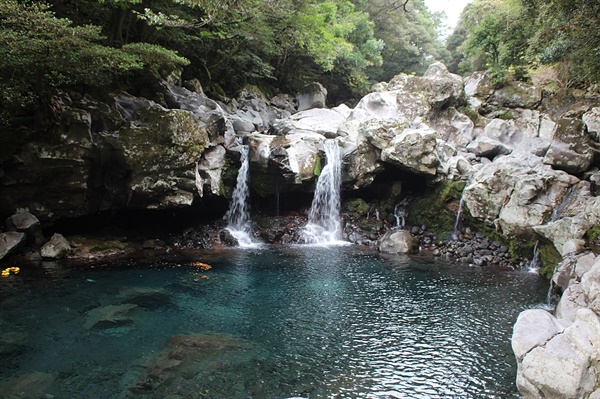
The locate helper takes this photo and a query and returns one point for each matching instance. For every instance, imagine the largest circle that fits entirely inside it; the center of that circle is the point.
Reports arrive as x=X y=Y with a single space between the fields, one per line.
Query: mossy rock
x=358 y=205
x=549 y=257
x=371 y=225
x=318 y=166
x=437 y=208
x=592 y=236
x=507 y=116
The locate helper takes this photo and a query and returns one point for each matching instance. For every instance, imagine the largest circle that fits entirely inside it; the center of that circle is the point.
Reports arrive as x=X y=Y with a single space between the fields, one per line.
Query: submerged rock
x=31 y=385
x=110 y=316
x=146 y=298
x=188 y=361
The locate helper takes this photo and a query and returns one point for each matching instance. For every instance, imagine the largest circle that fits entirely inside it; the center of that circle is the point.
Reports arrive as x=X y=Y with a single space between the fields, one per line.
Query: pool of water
x=271 y=323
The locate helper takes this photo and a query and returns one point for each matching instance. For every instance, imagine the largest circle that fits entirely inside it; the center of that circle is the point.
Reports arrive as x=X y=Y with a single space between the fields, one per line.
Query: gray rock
x=313 y=95
x=570 y=302
x=11 y=242
x=516 y=193
x=210 y=171
x=412 y=149
x=398 y=242
x=566 y=366
x=534 y=327
x=578 y=215
x=584 y=264
x=517 y=95
x=571 y=149
x=58 y=247
x=318 y=120
x=26 y=223
x=110 y=316
x=487 y=147
x=592 y=122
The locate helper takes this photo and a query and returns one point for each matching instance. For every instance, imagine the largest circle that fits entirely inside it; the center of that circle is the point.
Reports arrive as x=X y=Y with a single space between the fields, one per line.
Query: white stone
x=534 y=327
x=570 y=302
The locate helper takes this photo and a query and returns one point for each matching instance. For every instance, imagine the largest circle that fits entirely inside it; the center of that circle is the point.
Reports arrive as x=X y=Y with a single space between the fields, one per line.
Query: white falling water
x=534 y=264
x=238 y=215
x=400 y=212
x=458 y=216
x=324 y=223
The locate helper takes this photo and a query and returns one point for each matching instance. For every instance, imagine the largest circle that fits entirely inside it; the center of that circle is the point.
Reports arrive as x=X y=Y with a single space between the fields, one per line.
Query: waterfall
x=400 y=212
x=458 y=215
x=558 y=211
x=533 y=266
x=238 y=215
x=324 y=222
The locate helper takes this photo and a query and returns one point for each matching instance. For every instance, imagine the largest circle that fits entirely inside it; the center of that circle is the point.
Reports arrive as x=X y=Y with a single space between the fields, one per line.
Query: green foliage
x=358 y=205
x=155 y=56
x=495 y=38
x=567 y=32
x=549 y=257
x=227 y=44
x=437 y=208
x=412 y=39
x=40 y=52
x=510 y=38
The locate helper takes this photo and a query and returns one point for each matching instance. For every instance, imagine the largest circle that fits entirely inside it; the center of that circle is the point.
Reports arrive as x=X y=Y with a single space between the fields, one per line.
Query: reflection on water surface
x=272 y=323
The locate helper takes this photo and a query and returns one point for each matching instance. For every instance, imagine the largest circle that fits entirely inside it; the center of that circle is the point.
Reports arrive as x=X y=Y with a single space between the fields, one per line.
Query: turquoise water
x=273 y=323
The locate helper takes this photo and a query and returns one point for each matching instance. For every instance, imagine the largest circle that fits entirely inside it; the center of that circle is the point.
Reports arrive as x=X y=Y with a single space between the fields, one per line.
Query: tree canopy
x=276 y=44
x=521 y=38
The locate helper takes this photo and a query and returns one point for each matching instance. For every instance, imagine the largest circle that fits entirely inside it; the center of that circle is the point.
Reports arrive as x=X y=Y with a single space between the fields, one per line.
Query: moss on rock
x=437 y=208
x=358 y=205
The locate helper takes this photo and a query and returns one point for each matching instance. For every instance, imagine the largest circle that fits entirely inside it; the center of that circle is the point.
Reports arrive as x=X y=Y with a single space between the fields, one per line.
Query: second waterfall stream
x=324 y=222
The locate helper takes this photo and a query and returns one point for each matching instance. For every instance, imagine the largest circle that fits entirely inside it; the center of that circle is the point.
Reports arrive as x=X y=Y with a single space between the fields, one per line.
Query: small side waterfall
x=558 y=211
x=400 y=212
x=238 y=215
x=324 y=223
x=458 y=216
x=534 y=265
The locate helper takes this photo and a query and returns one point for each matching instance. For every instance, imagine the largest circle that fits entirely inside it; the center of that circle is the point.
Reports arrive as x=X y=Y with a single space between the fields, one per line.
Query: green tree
x=411 y=34
x=40 y=52
x=567 y=37
x=492 y=35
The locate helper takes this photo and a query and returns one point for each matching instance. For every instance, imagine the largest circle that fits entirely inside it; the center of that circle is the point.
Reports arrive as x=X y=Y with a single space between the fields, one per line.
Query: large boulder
x=318 y=120
x=517 y=94
x=160 y=148
x=398 y=242
x=26 y=223
x=11 y=242
x=51 y=174
x=572 y=149
x=576 y=217
x=284 y=162
x=414 y=150
x=209 y=177
x=452 y=127
x=58 y=247
x=566 y=365
x=516 y=193
x=487 y=148
x=559 y=356
x=523 y=130
x=592 y=122
x=447 y=88
x=313 y=95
